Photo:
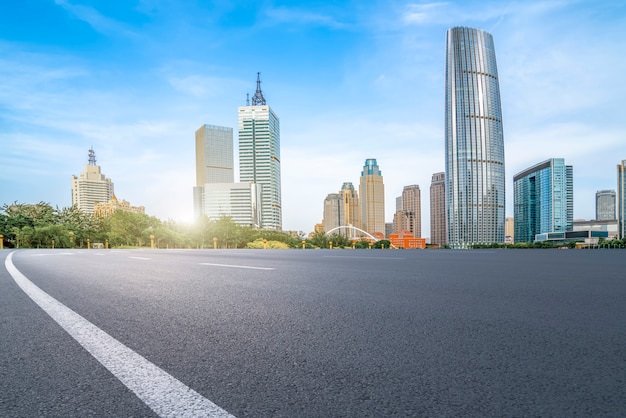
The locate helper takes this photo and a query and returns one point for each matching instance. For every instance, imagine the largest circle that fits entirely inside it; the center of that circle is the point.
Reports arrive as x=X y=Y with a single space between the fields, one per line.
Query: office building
x=351 y=207
x=214 y=160
x=621 y=200
x=438 y=231
x=91 y=186
x=475 y=183
x=543 y=200
x=605 y=205
x=372 y=196
x=259 y=155
x=412 y=210
x=509 y=230
x=238 y=201
x=333 y=212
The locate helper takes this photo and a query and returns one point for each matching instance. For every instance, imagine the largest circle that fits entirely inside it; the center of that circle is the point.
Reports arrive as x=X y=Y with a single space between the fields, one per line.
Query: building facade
x=238 y=201
x=621 y=200
x=606 y=205
x=214 y=160
x=509 y=230
x=543 y=200
x=91 y=186
x=412 y=210
x=334 y=215
x=438 y=231
x=106 y=209
x=259 y=156
x=351 y=208
x=372 y=196
x=475 y=182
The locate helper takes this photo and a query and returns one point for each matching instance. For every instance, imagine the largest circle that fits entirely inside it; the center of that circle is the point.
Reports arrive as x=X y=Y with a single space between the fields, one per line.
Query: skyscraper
x=214 y=160
x=621 y=200
x=333 y=212
x=91 y=187
x=474 y=140
x=543 y=199
x=350 y=199
x=412 y=209
x=605 y=205
x=438 y=232
x=259 y=155
x=372 y=195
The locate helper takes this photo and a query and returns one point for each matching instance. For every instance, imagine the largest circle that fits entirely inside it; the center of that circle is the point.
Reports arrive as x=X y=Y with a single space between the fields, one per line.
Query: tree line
x=42 y=226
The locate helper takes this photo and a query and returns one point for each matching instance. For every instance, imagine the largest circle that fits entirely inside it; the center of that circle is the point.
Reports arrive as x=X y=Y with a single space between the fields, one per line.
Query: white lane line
x=47 y=255
x=369 y=258
x=237 y=267
x=163 y=393
x=141 y=258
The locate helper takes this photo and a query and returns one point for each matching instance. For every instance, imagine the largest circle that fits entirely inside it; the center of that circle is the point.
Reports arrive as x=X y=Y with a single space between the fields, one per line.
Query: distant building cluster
x=467 y=201
x=255 y=200
x=92 y=192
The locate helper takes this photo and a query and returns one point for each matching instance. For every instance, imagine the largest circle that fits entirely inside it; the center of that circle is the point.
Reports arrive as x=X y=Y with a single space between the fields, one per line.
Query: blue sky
x=349 y=80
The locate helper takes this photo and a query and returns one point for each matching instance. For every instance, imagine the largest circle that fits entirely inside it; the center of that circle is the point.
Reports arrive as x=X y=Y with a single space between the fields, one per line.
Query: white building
x=259 y=156
x=239 y=201
x=91 y=187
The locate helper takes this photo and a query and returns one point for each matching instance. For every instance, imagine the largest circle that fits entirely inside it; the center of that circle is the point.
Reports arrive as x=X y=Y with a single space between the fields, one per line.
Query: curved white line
x=159 y=390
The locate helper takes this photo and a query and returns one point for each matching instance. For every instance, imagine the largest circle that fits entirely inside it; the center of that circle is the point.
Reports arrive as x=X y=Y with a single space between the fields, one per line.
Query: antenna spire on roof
x=258 y=98
x=92 y=156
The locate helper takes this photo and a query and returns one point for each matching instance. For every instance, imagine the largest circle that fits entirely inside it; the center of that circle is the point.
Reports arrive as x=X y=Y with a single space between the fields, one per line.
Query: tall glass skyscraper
x=543 y=199
x=259 y=156
x=474 y=140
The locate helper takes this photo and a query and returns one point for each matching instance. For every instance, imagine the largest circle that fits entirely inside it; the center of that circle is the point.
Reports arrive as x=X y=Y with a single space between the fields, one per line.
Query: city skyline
x=129 y=82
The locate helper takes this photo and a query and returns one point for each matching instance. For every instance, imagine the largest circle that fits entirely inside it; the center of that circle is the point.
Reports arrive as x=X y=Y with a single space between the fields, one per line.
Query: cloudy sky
x=349 y=80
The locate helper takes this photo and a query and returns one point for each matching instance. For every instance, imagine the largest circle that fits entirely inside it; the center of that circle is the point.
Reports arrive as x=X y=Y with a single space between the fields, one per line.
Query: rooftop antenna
x=258 y=99
x=247 y=99
x=92 y=156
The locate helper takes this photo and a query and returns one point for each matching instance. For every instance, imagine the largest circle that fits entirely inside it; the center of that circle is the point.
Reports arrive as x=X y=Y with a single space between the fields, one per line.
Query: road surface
x=312 y=333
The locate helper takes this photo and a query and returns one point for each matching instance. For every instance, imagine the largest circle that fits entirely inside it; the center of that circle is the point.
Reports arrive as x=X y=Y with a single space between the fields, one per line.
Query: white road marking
x=238 y=267
x=369 y=258
x=141 y=258
x=46 y=255
x=163 y=393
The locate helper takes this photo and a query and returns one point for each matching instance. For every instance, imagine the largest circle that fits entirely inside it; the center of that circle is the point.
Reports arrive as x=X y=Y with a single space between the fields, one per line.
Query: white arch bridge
x=352 y=228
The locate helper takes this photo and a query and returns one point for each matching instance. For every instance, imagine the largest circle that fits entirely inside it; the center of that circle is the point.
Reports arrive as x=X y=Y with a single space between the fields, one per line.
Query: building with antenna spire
x=91 y=187
x=259 y=155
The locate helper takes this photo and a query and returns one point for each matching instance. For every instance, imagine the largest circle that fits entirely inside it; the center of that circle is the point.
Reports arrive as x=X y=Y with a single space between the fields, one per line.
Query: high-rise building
x=543 y=199
x=475 y=180
x=412 y=210
x=214 y=160
x=91 y=187
x=438 y=231
x=350 y=199
x=509 y=230
x=259 y=155
x=605 y=205
x=372 y=195
x=334 y=215
x=621 y=200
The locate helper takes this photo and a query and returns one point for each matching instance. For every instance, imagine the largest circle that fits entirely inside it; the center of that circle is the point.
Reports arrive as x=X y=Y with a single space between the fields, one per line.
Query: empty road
x=312 y=333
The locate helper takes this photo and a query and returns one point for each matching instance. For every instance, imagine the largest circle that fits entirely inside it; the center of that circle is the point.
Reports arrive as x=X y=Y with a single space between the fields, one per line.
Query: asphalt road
x=321 y=333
